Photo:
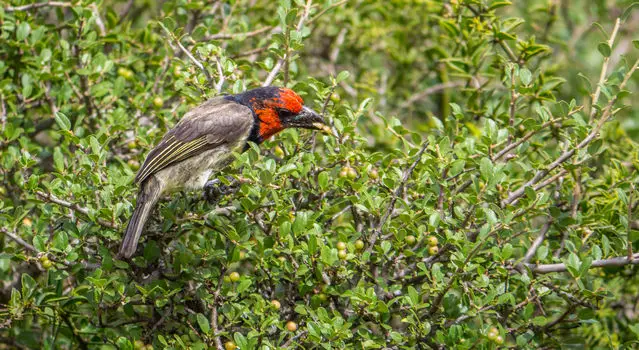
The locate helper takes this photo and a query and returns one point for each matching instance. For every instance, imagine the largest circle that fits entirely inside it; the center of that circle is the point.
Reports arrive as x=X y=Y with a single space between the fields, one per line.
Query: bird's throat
x=269 y=123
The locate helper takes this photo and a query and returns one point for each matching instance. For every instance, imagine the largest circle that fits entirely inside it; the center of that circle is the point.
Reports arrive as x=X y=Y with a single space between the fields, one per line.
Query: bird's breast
x=192 y=173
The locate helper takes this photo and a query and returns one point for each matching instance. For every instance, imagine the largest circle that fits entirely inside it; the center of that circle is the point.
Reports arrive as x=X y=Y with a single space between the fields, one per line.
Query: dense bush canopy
x=480 y=190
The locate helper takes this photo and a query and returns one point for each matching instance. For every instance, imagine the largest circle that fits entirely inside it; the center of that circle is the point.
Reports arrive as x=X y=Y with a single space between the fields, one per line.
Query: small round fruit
x=158 y=102
x=133 y=164
x=276 y=304
x=342 y=254
x=27 y=222
x=125 y=73
x=227 y=279
x=499 y=340
x=335 y=97
x=234 y=276
x=373 y=174
x=352 y=173
x=44 y=258
x=229 y=345
x=132 y=145
x=278 y=151
x=148 y=347
x=46 y=264
x=410 y=239
x=432 y=241
x=341 y=246
x=322 y=297
x=359 y=244
x=281 y=259
x=177 y=71
x=291 y=326
x=433 y=250
x=344 y=171
x=138 y=345
x=493 y=333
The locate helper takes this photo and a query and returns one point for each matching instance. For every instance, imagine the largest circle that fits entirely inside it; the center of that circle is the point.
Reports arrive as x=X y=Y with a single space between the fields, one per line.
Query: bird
x=203 y=142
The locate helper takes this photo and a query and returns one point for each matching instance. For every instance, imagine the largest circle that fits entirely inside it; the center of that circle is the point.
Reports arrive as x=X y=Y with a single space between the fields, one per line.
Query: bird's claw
x=215 y=189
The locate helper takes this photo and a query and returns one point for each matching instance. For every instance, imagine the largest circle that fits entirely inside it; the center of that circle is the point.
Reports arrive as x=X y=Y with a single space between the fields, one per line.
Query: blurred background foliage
x=480 y=192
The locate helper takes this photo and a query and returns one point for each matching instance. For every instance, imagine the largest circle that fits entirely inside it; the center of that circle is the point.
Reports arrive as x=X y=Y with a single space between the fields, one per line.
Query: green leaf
x=604 y=49
x=63 y=121
x=23 y=31
x=203 y=322
x=525 y=76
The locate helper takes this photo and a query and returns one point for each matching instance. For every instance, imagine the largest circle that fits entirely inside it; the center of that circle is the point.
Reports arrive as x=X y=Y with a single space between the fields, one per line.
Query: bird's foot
x=214 y=190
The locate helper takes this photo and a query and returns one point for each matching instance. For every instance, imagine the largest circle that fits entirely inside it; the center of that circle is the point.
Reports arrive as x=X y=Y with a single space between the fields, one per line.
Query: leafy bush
x=480 y=192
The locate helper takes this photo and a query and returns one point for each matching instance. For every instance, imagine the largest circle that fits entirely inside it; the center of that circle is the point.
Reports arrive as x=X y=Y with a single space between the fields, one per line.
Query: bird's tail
x=147 y=198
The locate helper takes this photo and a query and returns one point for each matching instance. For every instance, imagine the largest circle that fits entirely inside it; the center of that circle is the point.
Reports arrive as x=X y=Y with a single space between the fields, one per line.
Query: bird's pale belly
x=192 y=173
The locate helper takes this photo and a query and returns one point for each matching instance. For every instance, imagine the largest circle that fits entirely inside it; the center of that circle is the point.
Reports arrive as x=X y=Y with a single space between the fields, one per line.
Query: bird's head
x=276 y=109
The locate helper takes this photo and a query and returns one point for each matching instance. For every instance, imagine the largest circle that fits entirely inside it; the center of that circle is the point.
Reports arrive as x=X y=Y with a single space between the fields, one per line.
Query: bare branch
x=290 y=341
x=47 y=197
x=38 y=5
x=18 y=240
x=616 y=261
x=431 y=90
x=3 y=114
x=226 y=36
x=98 y=19
x=538 y=241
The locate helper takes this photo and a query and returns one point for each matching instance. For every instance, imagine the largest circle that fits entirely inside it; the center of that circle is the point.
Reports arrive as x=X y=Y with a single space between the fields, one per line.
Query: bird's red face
x=277 y=109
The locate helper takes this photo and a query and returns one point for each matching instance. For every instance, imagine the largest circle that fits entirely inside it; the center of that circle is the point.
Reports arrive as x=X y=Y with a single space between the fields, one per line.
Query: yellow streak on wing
x=177 y=151
x=148 y=168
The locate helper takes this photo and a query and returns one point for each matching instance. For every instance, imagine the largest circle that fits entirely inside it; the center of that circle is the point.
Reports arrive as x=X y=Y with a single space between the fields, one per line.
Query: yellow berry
x=27 y=222
x=359 y=244
x=432 y=241
x=433 y=250
x=291 y=326
x=499 y=340
x=46 y=264
x=229 y=345
x=234 y=276
x=158 y=102
x=341 y=246
x=342 y=254
x=410 y=239
x=276 y=304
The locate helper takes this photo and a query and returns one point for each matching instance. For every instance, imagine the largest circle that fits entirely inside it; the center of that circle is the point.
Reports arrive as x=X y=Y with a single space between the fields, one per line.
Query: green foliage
x=482 y=199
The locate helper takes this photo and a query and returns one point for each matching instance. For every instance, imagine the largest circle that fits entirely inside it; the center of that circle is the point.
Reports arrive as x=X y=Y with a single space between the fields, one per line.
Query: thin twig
x=190 y=56
x=290 y=341
x=604 y=71
x=220 y=72
x=3 y=114
x=629 y=241
x=431 y=90
x=38 y=5
x=226 y=36
x=538 y=241
x=616 y=261
x=98 y=19
x=17 y=239
x=391 y=206
x=319 y=14
x=278 y=66
x=47 y=197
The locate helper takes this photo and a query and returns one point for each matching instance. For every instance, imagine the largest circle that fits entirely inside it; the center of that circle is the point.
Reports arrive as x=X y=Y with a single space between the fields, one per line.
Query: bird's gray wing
x=214 y=123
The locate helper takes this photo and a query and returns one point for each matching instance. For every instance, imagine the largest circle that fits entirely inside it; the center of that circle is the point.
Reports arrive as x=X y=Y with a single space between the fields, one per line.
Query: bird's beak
x=309 y=119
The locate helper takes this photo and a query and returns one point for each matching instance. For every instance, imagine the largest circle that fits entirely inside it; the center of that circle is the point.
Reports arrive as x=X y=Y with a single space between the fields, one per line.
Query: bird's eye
x=285 y=113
